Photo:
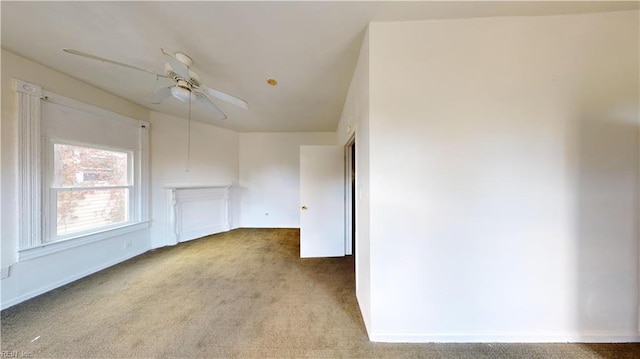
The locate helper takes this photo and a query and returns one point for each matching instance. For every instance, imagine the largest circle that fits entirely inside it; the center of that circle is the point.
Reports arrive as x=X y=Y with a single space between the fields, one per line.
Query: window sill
x=53 y=247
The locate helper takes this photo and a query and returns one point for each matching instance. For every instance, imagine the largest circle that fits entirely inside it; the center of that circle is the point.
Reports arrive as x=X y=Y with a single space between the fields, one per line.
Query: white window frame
x=34 y=197
x=50 y=192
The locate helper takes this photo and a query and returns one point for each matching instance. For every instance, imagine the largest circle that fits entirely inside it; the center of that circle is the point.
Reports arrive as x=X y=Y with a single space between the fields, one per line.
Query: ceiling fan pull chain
x=189 y=135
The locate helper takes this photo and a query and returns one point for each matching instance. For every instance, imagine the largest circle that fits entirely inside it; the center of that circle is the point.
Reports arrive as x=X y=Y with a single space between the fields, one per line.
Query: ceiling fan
x=187 y=87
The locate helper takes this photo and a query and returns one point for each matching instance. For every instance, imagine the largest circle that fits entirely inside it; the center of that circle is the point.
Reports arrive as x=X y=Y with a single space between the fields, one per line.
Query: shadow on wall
x=606 y=180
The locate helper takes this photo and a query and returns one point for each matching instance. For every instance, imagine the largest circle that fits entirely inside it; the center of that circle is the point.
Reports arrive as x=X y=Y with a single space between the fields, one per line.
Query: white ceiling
x=310 y=47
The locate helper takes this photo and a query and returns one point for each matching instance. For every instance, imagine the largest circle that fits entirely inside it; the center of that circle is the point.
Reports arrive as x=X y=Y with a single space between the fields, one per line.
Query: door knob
x=304 y=207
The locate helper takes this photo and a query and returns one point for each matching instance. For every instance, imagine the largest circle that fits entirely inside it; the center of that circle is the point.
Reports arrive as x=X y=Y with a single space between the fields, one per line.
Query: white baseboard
x=36 y=292
x=587 y=337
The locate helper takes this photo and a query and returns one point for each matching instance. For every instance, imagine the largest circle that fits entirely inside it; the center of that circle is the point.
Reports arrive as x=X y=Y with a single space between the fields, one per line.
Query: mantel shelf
x=194 y=185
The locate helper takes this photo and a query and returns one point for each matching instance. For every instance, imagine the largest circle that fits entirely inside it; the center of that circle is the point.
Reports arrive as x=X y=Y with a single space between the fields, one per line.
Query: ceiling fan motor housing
x=193 y=80
x=184 y=84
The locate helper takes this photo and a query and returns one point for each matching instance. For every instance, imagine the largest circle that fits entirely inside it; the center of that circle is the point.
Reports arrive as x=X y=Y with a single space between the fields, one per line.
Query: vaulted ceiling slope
x=310 y=48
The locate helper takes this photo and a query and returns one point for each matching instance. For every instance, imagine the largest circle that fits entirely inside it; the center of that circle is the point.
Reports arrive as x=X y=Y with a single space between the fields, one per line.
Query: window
x=83 y=173
x=91 y=189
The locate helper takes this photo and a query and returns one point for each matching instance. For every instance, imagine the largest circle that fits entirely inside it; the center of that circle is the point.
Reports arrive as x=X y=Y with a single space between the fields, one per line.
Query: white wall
x=213 y=160
x=355 y=118
x=504 y=179
x=270 y=177
x=32 y=277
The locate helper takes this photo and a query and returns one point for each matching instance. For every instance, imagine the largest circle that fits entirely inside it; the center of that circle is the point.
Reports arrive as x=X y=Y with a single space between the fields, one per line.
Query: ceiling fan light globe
x=183 y=94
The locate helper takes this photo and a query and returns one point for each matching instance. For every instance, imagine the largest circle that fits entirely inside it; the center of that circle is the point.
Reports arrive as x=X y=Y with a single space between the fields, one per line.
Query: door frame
x=349 y=224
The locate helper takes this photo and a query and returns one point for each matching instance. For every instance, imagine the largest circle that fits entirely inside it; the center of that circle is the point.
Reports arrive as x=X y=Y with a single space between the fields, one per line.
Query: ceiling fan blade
x=159 y=95
x=204 y=100
x=176 y=65
x=226 y=97
x=94 y=57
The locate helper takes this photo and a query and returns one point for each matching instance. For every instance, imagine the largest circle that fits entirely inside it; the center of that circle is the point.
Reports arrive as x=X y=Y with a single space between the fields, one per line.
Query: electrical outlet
x=4 y=272
x=128 y=244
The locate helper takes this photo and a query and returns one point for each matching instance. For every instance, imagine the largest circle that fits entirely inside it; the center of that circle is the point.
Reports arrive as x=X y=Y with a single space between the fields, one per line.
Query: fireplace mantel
x=194 y=185
x=196 y=210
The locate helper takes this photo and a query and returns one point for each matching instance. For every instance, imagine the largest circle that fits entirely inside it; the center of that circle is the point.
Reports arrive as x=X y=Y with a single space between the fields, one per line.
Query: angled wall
x=213 y=160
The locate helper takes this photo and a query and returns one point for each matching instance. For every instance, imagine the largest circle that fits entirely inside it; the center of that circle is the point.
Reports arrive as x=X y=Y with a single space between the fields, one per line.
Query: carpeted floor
x=241 y=294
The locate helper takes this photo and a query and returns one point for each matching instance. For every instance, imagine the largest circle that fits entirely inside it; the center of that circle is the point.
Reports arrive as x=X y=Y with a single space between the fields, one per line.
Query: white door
x=321 y=201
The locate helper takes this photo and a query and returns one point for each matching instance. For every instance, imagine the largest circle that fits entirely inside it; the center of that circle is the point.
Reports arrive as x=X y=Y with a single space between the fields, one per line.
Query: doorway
x=350 y=197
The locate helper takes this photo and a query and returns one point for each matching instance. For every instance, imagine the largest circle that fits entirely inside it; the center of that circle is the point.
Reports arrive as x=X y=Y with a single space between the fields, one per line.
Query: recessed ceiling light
x=272 y=82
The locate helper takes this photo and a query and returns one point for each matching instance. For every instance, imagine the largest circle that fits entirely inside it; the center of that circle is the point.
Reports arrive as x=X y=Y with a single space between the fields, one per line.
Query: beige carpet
x=242 y=294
